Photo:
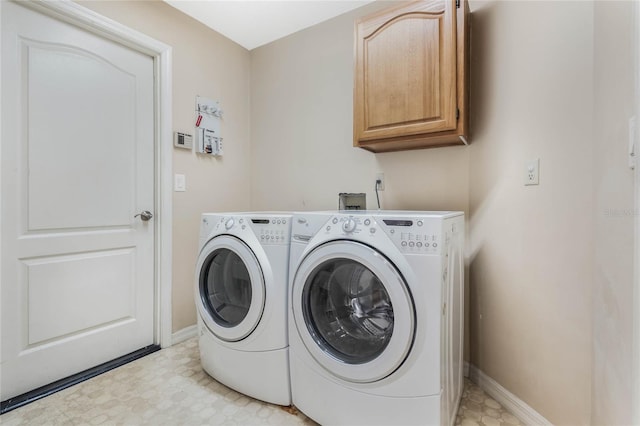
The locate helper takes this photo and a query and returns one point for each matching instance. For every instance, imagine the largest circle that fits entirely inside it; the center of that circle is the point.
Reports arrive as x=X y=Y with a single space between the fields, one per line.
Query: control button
x=335 y=220
x=420 y=223
x=367 y=222
x=241 y=221
x=419 y=244
x=273 y=221
x=403 y=244
x=244 y=226
x=284 y=221
x=262 y=237
x=372 y=230
x=329 y=228
x=392 y=231
x=434 y=245
x=349 y=225
x=279 y=222
x=426 y=244
x=229 y=224
x=411 y=244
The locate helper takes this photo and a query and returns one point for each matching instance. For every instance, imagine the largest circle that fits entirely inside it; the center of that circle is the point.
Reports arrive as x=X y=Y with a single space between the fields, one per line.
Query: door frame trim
x=79 y=16
x=635 y=354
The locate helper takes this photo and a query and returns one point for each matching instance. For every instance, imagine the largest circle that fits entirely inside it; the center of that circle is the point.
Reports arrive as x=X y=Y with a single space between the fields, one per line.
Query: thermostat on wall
x=182 y=140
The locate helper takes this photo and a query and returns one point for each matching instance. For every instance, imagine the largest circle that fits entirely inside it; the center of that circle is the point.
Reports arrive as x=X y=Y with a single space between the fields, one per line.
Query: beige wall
x=614 y=214
x=206 y=64
x=301 y=133
x=532 y=246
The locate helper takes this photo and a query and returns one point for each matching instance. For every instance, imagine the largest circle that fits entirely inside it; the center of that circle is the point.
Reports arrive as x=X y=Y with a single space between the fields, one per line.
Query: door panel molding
x=113 y=286
x=48 y=71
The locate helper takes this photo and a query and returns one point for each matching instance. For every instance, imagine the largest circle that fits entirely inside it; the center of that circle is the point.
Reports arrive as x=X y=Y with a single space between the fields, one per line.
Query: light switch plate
x=179 y=183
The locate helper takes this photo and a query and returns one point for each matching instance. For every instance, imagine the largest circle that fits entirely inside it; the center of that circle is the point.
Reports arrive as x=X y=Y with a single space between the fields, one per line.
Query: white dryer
x=241 y=299
x=376 y=311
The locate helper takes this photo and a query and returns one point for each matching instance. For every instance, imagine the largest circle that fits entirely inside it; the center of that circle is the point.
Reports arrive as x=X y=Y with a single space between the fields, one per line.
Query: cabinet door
x=405 y=72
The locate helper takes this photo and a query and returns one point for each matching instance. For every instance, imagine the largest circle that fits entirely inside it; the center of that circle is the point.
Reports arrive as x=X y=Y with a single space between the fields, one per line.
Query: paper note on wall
x=208 y=117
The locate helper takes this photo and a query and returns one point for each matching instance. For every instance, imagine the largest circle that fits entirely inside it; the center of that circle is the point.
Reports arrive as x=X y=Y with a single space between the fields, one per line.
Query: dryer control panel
x=417 y=236
x=410 y=235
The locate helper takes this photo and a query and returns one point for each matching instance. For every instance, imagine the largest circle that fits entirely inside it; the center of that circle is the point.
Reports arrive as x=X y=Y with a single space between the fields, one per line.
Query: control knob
x=229 y=224
x=349 y=225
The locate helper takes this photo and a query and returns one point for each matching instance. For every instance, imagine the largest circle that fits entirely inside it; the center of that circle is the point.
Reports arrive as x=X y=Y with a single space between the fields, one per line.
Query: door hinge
x=457 y=114
x=457 y=4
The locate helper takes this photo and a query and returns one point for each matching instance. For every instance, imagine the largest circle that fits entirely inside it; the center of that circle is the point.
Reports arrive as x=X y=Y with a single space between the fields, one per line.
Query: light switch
x=179 y=183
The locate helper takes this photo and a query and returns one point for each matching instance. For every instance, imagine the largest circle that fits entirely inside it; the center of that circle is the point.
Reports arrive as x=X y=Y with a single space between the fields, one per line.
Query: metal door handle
x=145 y=215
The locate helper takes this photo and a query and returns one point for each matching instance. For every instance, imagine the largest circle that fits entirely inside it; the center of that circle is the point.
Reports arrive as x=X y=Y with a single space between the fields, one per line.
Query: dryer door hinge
x=457 y=4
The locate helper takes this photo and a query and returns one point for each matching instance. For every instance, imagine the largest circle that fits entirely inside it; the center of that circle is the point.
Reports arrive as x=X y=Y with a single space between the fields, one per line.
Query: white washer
x=241 y=299
x=375 y=316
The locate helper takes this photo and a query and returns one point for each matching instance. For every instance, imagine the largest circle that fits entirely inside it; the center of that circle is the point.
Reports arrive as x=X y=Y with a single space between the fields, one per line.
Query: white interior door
x=77 y=163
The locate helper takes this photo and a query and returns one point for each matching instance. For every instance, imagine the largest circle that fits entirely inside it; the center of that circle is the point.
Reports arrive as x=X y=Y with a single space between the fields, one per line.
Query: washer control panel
x=410 y=235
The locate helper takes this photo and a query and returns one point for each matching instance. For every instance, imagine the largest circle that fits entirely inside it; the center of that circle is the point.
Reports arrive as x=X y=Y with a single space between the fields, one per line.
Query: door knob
x=145 y=215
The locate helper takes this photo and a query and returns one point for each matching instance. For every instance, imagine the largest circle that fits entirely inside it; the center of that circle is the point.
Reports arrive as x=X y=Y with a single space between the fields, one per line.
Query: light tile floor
x=479 y=409
x=170 y=388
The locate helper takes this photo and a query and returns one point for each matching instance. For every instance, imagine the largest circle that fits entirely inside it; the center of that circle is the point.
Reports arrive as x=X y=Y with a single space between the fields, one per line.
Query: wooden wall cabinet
x=411 y=76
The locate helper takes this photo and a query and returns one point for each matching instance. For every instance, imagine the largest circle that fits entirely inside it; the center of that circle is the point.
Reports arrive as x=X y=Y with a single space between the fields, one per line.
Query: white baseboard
x=512 y=403
x=184 y=334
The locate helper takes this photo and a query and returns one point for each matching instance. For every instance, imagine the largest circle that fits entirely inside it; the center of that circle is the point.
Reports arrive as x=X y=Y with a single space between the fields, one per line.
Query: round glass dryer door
x=230 y=288
x=353 y=311
x=347 y=310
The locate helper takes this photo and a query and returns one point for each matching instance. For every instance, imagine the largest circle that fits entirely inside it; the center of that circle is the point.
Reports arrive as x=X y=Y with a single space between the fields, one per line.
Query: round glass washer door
x=230 y=291
x=353 y=311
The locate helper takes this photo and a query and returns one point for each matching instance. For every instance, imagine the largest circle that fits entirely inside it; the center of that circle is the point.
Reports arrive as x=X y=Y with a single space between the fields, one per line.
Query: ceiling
x=252 y=23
